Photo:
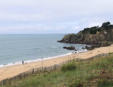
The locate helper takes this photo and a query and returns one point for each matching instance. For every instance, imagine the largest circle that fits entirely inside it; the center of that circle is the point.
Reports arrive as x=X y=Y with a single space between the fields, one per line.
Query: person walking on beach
x=22 y=62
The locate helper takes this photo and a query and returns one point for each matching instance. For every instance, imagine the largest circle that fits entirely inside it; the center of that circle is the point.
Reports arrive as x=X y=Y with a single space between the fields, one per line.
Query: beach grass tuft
x=69 y=66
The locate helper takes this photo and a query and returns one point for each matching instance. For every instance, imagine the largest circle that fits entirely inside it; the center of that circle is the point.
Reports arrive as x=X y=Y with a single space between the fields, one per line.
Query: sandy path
x=11 y=71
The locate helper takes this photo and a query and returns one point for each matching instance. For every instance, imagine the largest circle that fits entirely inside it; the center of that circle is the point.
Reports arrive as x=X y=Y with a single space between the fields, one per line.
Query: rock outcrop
x=97 y=36
x=70 y=48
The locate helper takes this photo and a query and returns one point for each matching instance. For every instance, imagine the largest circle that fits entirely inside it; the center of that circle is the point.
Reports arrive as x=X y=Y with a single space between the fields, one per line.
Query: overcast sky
x=52 y=16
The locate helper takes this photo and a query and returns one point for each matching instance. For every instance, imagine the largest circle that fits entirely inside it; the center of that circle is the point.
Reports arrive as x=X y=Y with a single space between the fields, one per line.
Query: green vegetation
x=68 y=67
x=97 y=72
x=69 y=37
x=105 y=83
x=93 y=30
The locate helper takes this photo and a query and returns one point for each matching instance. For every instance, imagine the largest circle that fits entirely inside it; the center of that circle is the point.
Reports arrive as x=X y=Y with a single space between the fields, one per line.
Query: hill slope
x=90 y=73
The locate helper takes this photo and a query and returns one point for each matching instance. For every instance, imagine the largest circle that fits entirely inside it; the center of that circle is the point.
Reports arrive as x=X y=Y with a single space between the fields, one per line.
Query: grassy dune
x=97 y=72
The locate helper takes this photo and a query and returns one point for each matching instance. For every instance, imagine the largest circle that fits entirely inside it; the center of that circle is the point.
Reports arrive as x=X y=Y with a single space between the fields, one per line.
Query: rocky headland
x=95 y=36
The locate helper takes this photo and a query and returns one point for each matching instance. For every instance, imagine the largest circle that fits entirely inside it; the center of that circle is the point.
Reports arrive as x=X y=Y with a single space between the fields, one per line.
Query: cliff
x=101 y=36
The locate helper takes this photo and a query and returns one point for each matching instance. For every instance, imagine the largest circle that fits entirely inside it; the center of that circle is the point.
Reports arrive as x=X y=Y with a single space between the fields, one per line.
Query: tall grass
x=69 y=66
x=105 y=83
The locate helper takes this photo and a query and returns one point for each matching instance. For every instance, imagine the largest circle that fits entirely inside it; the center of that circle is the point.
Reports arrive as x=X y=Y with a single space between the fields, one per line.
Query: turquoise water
x=14 y=48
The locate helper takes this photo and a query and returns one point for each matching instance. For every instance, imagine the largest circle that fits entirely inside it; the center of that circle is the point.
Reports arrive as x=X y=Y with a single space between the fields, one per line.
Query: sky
x=52 y=16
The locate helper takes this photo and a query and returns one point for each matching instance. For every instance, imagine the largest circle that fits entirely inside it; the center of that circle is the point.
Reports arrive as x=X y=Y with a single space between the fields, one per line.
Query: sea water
x=16 y=48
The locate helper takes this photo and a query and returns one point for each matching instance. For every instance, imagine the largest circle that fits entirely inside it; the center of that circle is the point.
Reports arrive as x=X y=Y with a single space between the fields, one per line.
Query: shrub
x=69 y=67
x=91 y=30
x=105 y=83
x=76 y=84
x=105 y=24
x=69 y=38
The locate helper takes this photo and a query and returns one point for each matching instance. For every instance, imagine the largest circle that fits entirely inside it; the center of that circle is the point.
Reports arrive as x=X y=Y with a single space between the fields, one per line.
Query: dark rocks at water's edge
x=70 y=48
x=91 y=47
x=95 y=36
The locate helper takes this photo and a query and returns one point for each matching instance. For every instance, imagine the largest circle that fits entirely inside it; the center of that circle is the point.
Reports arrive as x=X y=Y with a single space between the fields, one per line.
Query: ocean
x=15 y=48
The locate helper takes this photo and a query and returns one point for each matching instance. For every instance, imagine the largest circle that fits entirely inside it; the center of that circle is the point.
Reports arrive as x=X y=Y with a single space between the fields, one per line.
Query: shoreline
x=35 y=60
x=40 y=59
x=14 y=70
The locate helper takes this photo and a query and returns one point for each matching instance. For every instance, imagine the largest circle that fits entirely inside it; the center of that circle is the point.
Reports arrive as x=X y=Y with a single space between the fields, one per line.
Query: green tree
x=106 y=25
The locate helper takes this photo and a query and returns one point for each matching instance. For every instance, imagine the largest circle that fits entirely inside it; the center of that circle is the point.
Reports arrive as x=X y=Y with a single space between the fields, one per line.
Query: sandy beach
x=11 y=71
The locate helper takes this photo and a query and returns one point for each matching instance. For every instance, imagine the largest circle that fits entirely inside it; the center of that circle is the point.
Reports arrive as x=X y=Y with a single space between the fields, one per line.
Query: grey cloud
x=53 y=15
